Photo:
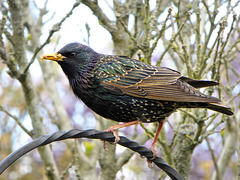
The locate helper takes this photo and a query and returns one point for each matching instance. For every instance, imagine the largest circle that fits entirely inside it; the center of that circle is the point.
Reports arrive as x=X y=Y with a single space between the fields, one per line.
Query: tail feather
x=220 y=108
x=215 y=106
x=199 y=83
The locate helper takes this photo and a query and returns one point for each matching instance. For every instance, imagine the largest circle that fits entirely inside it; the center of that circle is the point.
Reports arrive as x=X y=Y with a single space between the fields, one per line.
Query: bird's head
x=75 y=59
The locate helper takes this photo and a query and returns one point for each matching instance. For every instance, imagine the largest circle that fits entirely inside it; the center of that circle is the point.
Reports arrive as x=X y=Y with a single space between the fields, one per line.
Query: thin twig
x=129 y=33
x=146 y=22
x=228 y=36
x=65 y=171
x=161 y=31
x=216 y=60
x=173 y=39
x=213 y=157
x=17 y=120
x=54 y=29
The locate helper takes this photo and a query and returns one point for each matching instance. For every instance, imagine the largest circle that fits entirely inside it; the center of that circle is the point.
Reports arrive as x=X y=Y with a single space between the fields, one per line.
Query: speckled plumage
x=127 y=90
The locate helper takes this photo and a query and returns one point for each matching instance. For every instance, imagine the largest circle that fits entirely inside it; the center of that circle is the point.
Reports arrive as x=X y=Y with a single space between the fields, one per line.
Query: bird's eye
x=72 y=55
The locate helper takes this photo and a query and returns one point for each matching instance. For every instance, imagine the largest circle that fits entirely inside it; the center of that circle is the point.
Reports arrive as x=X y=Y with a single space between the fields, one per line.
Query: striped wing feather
x=157 y=83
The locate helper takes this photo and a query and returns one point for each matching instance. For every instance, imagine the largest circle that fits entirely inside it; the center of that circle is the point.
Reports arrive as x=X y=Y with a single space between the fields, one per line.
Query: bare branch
x=173 y=38
x=16 y=10
x=17 y=120
x=213 y=158
x=161 y=31
x=54 y=29
x=93 y=5
x=227 y=151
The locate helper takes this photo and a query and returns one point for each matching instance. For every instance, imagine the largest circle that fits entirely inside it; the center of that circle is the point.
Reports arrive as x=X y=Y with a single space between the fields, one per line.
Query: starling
x=128 y=90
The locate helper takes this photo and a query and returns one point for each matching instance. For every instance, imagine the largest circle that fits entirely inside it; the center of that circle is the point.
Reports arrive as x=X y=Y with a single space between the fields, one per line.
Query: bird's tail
x=219 y=107
x=211 y=102
x=215 y=106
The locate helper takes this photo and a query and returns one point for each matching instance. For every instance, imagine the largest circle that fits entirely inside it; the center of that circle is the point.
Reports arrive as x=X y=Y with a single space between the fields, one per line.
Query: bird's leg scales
x=114 y=129
x=152 y=147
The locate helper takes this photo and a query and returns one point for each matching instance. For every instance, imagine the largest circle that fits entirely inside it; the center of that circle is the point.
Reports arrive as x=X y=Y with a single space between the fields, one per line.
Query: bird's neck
x=80 y=77
x=81 y=84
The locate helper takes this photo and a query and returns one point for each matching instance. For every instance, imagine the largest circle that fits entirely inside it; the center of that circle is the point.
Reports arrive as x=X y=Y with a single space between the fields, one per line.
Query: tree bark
x=15 y=7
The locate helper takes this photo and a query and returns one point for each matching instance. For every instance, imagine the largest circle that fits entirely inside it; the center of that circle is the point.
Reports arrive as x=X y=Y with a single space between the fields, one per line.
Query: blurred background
x=201 y=39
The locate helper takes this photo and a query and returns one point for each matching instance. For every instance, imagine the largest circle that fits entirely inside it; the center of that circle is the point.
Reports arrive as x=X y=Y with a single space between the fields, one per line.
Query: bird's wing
x=152 y=83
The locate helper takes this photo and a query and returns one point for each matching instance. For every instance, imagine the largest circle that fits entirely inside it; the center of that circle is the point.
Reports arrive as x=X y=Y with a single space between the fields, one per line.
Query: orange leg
x=114 y=128
x=152 y=148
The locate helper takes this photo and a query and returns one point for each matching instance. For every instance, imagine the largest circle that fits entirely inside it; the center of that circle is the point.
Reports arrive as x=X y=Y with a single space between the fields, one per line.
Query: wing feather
x=157 y=83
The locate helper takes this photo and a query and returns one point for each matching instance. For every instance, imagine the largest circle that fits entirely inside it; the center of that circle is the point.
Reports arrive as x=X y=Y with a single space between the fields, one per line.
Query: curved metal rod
x=92 y=134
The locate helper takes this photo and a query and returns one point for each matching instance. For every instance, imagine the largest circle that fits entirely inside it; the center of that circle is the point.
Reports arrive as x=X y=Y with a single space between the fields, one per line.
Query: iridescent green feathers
x=138 y=79
x=99 y=80
x=122 y=75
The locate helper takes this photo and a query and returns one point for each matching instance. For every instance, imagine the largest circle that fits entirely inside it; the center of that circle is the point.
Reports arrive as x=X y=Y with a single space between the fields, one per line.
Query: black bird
x=130 y=91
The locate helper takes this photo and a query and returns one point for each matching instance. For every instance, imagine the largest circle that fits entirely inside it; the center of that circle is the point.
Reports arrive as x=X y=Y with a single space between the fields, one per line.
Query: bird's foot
x=149 y=164
x=104 y=145
x=113 y=129
x=153 y=149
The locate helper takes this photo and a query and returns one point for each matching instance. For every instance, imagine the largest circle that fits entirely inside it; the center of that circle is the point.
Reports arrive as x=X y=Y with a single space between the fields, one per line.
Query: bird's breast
x=122 y=108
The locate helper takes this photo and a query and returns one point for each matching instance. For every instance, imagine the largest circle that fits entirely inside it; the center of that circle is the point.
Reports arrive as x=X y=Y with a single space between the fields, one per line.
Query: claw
x=153 y=149
x=113 y=129
x=105 y=146
x=149 y=164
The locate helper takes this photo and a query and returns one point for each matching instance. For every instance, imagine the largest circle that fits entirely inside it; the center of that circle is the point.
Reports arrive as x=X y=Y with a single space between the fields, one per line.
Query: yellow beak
x=53 y=57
